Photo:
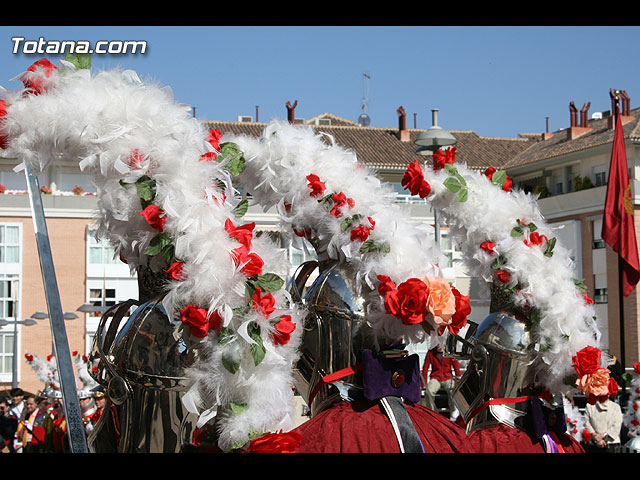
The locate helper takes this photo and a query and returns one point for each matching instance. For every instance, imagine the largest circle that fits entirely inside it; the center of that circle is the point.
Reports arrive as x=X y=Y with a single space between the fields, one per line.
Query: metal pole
x=73 y=415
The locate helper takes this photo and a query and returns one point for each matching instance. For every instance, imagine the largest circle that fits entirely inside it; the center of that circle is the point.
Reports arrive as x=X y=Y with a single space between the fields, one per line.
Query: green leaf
x=80 y=60
x=372 y=246
x=499 y=177
x=580 y=284
x=157 y=244
x=347 y=222
x=268 y=282
x=238 y=408
x=532 y=227
x=146 y=189
x=498 y=263
x=517 y=231
x=231 y=153
x=257 y=349
x=463 y=194
x=231 y=364
x=241 y=208
x=225 y=335
x=327 y=202
x=168 y=253
x=453 y=184
x=550 y=244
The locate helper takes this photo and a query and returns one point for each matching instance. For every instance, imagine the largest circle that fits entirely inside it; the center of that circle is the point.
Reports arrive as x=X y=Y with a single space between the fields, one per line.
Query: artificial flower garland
x=506 y=241
x=167 y=203
x=326 y=196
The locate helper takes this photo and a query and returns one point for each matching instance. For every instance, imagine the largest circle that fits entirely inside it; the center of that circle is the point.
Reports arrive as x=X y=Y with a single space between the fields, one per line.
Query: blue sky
x=495 y=80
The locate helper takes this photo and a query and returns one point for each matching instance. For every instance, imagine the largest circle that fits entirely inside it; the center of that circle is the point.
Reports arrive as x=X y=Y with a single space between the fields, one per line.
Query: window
x=9 y=243
x=99 y=253
x=6 y=355
x=102 y=296
x=596 y=230
x=7 y=311
x=447 y=248
x=600 y=295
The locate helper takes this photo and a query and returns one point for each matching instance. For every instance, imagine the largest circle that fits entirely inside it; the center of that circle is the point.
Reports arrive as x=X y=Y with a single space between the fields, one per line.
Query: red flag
x=617 y=224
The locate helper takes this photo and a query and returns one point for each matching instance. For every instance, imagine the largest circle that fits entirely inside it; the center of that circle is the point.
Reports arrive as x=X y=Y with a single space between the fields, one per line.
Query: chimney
x=547 y=134
x=403 y=133
x=575 y=130
x=625 y=116
x=584 y=119
x=291 y=111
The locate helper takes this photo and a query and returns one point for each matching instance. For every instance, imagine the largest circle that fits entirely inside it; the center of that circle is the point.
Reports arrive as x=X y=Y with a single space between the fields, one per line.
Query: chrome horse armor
x=501 y=355
x=141 y=361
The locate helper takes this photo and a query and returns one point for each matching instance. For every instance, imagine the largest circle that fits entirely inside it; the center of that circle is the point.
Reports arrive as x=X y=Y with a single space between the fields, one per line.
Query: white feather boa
x=138 y=142
x=523 y=256
x=288 y=162
x=47 y=373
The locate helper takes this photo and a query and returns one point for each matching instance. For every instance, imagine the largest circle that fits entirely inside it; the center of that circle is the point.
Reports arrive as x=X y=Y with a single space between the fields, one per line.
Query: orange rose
x=595 y=383
x=441 y=302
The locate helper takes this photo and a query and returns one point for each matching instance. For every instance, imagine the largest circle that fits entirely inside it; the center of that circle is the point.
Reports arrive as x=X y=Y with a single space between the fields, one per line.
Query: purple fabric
x=544 y=420
x=378 y=374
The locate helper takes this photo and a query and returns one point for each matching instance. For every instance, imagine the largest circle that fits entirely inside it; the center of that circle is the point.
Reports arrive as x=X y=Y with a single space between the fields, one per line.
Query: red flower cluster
x=198 y=321
x=214 y=139
x=35 y=80
x=317 y=187
x=413 y=179
x=339 y=201
x=587 y=300
x=251 y=262
x=3 y=112
x=283 y=330
x=442 y=157
x=507 y=184
x=276 y=443
x=593 y=380
x=155 y=216
x=636 y=368
x=408 y=302
x=488 y=246
x=503 y=276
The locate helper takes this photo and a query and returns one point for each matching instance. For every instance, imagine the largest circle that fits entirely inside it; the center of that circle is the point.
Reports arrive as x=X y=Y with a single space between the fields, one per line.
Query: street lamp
x=429 y=142
x=3 y=323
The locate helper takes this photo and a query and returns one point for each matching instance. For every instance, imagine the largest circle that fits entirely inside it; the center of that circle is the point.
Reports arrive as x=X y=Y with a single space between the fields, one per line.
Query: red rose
x=386 y=285
x=175 y=271
x=276 y=443
x=35 y=79
x=263 y=304
x=586 y=436
x=317 y=187
x=251 y=262
x=413 y=179
x=463 y=309
x=408 y=302
x=489 y=172
x=613 y=386
x=196 y=319
x=339 y=200
x=243 y=233
x=587 y=360
x=214 y=138
x=587 y=300
x=49 y=357
x=442 y=157
x=208 y=157
x=488 y=246
x=636 y=368
x=29 y=357
x=284 y=328
x=535 y=239
x=304 y=233
x=503 y=275
x=506 y=186
x=155 y=216
x=360 y=233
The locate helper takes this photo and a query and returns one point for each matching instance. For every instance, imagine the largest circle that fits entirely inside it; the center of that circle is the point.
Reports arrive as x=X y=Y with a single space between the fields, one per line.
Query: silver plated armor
x=141 y=360
x=335 y=335
x=501 y=355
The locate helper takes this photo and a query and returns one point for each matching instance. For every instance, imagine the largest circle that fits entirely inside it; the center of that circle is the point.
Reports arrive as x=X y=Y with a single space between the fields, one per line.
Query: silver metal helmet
x=501 y=355
x=335 y=335
x=140 y=361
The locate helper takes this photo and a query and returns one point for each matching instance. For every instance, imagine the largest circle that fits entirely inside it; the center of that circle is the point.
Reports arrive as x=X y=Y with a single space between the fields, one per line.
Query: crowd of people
x=36 y=423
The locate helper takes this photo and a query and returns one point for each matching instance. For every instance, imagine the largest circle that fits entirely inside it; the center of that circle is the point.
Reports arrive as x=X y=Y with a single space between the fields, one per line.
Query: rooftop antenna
x=364 y=119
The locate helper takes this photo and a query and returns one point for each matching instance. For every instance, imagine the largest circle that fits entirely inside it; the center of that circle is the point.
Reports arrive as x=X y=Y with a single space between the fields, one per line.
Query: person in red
x=441 y=376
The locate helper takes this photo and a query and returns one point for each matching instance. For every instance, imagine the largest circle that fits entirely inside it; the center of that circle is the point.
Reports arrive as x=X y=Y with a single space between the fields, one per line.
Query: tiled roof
x=380 y=148
x=559 y=144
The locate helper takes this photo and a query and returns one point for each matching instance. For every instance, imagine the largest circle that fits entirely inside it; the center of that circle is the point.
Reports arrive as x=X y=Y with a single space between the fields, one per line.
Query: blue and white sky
x=495 y=80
